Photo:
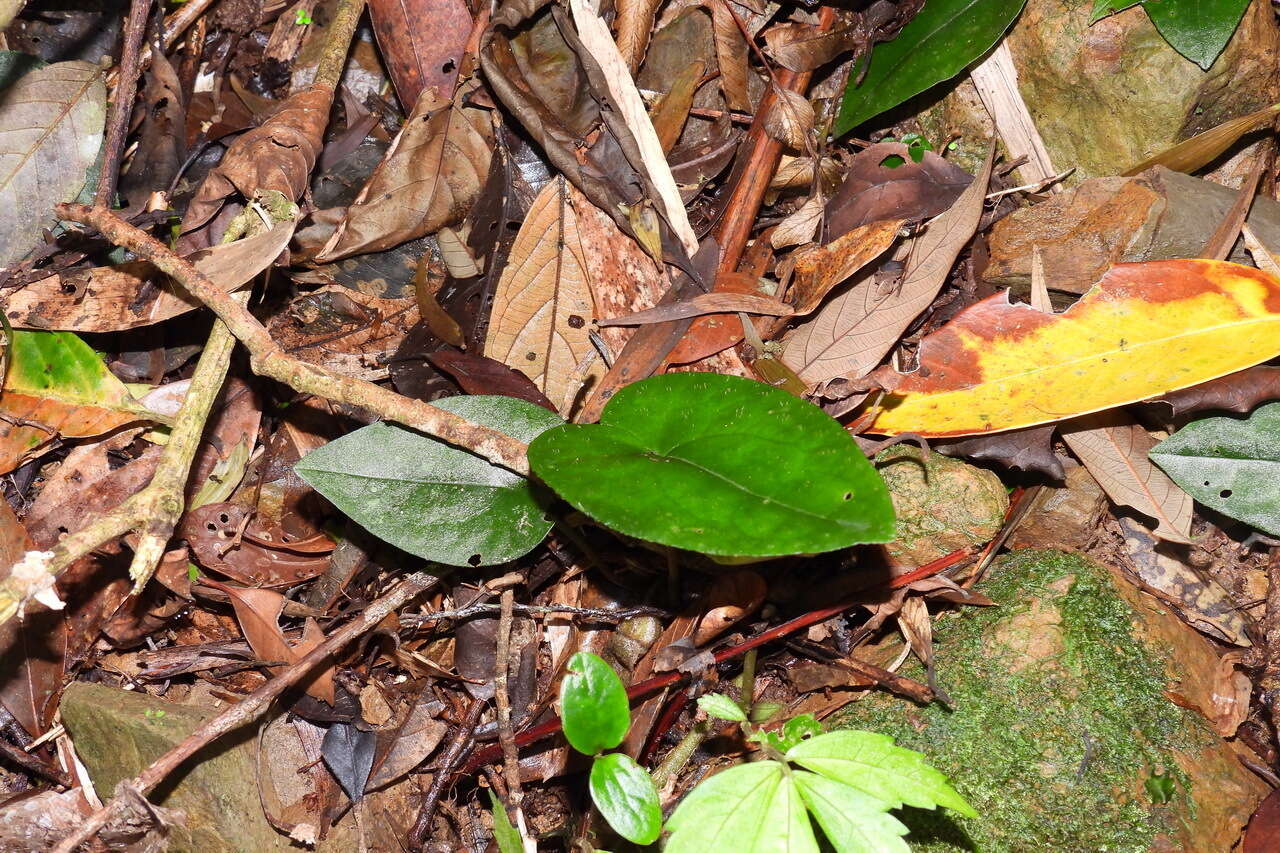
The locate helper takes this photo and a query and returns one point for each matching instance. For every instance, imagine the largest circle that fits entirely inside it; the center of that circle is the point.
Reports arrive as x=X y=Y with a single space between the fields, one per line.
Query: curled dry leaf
x=873 y=191
x=790 y=119
x=50 y=130
x=732 y=598
x=704 y=303
x=804 y=47
x=801 y=226
x=421 y=43
x=817 y=269
x=1203 y=148
x=1144 y=330
x=1029 y=450
x=1236 y=392
x=430 y=177
x=731 y=56
x=633 y=24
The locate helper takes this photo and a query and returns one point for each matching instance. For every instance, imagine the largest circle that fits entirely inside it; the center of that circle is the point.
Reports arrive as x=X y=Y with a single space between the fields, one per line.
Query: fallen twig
x=122 y=102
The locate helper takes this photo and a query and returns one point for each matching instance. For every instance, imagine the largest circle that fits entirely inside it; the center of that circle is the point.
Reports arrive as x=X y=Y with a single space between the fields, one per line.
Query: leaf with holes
x=718 y=464
x=431 y=499
x=1231 y=465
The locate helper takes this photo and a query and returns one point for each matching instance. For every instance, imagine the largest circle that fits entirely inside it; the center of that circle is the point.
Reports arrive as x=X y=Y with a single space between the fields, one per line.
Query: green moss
x=1058 y=718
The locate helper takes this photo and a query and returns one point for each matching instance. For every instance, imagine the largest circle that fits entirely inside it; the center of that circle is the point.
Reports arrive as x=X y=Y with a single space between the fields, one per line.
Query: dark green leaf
x=1231 y=465
x=1197 y=29
x=593 y=705
x=718 y=464
x=1103 y=8
x=625 y=795
x=506 y=835
x=433 y=500
x=722 y=707
x=944 y=37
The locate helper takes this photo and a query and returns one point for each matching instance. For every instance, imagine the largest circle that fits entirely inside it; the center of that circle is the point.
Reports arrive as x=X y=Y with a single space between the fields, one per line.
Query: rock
x=118 y=733
x=1060 y=720
x=942 y=505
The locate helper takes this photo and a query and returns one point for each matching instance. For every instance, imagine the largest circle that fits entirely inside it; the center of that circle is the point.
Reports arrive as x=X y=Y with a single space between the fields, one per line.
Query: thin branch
x=458 y=747
x=584 y=613
x=502 y=704
x=122 y=102
x=247 y=709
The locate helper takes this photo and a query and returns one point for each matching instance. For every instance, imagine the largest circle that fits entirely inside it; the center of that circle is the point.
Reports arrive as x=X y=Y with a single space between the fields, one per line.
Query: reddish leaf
x=422 y=42
x=1263 y=833
x=478 y=374
x=872 y=191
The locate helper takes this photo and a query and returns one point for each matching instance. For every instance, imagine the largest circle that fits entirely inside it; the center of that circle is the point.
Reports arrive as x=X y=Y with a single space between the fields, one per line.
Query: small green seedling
x=153 y=714
x=1160 y=787
x=303 y=18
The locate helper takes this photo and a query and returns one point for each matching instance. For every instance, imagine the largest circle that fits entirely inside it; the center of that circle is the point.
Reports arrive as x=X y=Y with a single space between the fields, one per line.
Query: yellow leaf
x=1144 y=330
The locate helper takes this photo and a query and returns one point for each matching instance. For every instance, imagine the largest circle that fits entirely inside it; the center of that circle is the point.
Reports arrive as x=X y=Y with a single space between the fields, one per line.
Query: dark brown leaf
x=1029 y=450
x=804 y=47
x=478 y=374
x=410 y=744
x=1263 y=832
x=872 y=191
x=421 y=42
x=1235 y=392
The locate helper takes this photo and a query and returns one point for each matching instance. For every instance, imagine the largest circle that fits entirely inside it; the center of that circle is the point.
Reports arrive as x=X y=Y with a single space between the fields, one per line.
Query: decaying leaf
x=1029 y=450
x=820 y=268
x=50 y=130
x=804 y=47
x=850 y=335
x=1113 y=446
x=432 y=173
x=413 y=740
x=791 y=119
x=703 y=303
x=478 y=374
x=731 y=56
x=873 y=191
x=1203 y=148
x=1144 y=330
x=801 y=226
x=1236 y=392
x=421 y=42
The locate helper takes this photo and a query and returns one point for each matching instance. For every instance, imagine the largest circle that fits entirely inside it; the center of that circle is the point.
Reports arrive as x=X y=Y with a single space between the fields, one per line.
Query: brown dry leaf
x=872 y=191
x=476 y=374
x=797 y=172
x=344 y=329
x=431 y=174
x=543 y=304
x=731 y=56
x=670 y=112
x=854 y=331
x=421 y=42
x=1263 y=258
x=1114 y=448
x=802 y=225
x=1231 y=692
x=817 y=269
x=634 y=22
x=732 y=598
x=803 y=47
x=917 y=630
x=1029 y=450
x=415 y=739
x=704 y=303
x=1203 y=148
x=1236 y=392
x=790 y=120
x=112 y=299
x=710 y=335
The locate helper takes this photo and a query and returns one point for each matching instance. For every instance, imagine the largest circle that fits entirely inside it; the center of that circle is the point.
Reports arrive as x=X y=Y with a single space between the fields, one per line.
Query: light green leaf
x=943 y=38
x=718 y=464
x=751 y=808
x=722 y=707
x=1197 y=29
x=625 y=795
x=871 y=763
x=852 y=821
x=433 y=500
x=593 y=705
x=1231 y=465
x=506 y=835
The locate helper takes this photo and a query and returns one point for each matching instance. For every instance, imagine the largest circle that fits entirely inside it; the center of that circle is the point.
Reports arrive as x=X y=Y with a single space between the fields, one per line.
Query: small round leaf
x=593 y=705
x=625 y=795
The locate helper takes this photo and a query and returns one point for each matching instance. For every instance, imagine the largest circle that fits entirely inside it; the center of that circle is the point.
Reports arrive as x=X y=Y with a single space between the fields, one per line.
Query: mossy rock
x=1059 y=722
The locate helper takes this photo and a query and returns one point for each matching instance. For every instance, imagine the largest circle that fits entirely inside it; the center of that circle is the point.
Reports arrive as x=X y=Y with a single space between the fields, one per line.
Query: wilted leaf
x=634 y=23
x=790 y=119
x=1197 y=29
x=943 y=37
x=850 y=335
x=1231 y=465
x=804 y=47
x=431 y=175
x=1144 y=330
x=50 y=130
x=421 y=42
x=820 y=268
x=543 y=305
x=57 y=386
x=477 y=374
x=801 y=226
x=1029 y=450
x=872 y=191
x=1203 y=148
x=1114 y=448
x=415 y=739
x=670 y=112
x=1236 y=392
x=731 y=56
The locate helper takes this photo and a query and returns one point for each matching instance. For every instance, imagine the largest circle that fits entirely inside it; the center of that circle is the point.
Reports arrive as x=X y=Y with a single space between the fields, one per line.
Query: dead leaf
x=790 y=119
x=634 y=22
x=431 y=175
x=344 y=329
x=872 y=191
x=1262 y=835
x=31 y=649
x=1113 y=446
x=854 y=331
x=421 y=42
x=732 y=598
x=1242 y=392
x=731 y=56
x=801 y=226
x=710 y=335
x=1232 y=690
x=478 y=374
x=1029 y=450
x=1144 y=330
x=1203 y=148
x=804 y=47
x=670 y=112
x=817 y=269
x=702 y=304
x=410 y=744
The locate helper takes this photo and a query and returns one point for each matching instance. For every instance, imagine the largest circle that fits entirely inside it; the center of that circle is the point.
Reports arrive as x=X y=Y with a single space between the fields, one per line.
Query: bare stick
x=247 y=709
x=502 y=704
x=462 y=742
x=122 y=103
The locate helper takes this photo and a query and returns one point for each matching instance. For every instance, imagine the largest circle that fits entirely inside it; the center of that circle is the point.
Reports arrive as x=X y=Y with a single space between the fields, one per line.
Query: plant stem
x=680 y=754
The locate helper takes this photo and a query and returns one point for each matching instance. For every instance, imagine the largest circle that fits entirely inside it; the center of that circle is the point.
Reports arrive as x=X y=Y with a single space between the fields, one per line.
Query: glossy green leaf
x=1197 y=29
x=1231 y=465
x=718 y=464
x=943 y=38
x=852 y=821
x=872 y=764
x=506 y=835
x=625 y=795
x=433 y=500
x=721 y=707
x=593 y=705
x=751 y=808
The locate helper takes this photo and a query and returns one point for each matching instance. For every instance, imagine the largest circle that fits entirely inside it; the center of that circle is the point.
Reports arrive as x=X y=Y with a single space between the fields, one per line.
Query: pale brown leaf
x=1114 y=448
x=634 y=22
x=258 y=612
x=1203 y=148
x=801 y=226
x=731 y=56
x=804 y=47
x=432 y=173
x=701 y=304
x=791 y=118
x=817 y=269
x=854 y=331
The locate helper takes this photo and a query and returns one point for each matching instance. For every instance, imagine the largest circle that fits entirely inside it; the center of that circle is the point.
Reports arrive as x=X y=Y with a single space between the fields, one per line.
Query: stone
x=1060 y=726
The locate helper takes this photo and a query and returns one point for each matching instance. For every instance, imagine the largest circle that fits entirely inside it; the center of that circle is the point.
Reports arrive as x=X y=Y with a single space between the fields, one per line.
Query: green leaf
x=798 y=728
x=625 y=795
x=506 y=835
x=852 y=821
x=871 y=763
x=433 y=500
x=718 y=464
x=943 y=38
x=751 y=808
x=1231 y=465
x=1197 y=29
x=1103 y=8
x=593 y=705
x=722 y=707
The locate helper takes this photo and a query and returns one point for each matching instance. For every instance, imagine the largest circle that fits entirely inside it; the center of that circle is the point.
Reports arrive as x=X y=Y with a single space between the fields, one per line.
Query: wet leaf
x=348 y=752
x=626 y=798
x=421 y=42
x=720 y=465
x=51 y=124
x=593 y=705
x=431 y=499
x=431 y=175
x=1144 y=330
x=1231 y=465
x=1263 y=832
x=872 y=191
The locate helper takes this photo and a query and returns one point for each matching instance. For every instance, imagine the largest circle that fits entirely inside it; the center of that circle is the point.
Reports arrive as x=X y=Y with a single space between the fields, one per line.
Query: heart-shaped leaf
x=433 y=500
x=593 y=705
x=718 y=464
x=625 y=795
x=1231 y=465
